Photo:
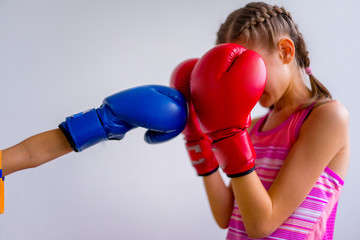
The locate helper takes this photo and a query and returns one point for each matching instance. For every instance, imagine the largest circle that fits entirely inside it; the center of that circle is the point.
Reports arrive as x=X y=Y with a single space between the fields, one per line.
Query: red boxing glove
x=198 y=144
x=226 y=83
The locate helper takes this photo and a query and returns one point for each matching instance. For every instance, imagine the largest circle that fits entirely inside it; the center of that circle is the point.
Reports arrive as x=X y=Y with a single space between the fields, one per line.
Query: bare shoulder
x=330 y=116
x=330 y=121
x=330 y=111
x=335 y=105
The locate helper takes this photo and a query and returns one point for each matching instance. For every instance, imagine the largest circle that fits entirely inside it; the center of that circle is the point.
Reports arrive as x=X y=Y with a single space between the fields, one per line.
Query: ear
x=287 y=50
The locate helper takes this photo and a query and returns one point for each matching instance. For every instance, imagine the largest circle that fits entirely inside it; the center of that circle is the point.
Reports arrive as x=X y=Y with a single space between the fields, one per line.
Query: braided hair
x=262 y=22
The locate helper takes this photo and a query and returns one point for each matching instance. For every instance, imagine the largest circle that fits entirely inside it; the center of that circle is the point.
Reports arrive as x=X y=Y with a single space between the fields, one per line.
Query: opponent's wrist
x=202 y=156
x=83 y=130
x=235 y=154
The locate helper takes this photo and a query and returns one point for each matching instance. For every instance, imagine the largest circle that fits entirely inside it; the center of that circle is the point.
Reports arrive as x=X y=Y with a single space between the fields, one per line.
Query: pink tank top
x=315 y=217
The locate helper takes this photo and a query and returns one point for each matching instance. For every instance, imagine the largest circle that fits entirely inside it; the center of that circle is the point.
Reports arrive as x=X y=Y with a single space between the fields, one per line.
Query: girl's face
x=278 y=74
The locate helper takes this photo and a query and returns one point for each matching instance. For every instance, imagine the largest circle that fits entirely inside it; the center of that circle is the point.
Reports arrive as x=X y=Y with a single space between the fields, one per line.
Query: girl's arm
x=35 y=151
x=322 y=138
x=220 y=196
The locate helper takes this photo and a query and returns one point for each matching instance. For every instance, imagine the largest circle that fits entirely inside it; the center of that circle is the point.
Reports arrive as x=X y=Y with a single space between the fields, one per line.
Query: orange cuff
x=1 y=187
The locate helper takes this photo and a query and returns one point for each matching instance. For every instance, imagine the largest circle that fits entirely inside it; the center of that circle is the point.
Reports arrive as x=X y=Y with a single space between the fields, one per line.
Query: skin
x=323 y=142
x=35 y=151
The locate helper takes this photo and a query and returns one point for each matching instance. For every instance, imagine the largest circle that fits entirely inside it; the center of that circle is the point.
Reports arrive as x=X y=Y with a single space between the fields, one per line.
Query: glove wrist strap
x=235 y=154
x=202 y=157
x=83 y=130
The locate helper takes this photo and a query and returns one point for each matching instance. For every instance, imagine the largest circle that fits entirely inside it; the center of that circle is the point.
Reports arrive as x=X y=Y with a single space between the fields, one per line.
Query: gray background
x=58 y=58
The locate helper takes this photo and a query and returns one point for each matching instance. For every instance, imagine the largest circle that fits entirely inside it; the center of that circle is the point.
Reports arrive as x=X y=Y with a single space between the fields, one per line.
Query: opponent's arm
x=30 y=153
x=35 y=151
x=160 y=109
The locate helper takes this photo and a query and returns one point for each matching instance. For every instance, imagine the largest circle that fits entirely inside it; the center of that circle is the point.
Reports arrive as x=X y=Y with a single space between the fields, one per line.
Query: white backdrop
x=58 y=58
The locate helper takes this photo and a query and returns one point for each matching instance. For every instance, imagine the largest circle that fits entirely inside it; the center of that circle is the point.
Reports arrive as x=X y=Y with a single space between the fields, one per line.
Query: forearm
x=255 y=205
x=35 y=151
x=220 y=197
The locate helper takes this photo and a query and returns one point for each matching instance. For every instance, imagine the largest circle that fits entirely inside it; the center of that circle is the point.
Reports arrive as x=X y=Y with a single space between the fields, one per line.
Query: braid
x=281 y=10
x=260 y=22
x=257 y=14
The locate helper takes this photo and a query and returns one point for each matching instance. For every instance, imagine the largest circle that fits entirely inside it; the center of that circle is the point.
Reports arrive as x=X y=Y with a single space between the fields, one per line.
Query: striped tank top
x=315 y=217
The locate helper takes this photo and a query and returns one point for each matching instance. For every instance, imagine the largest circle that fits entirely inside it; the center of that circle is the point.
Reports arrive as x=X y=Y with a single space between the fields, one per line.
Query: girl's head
x=271 y=31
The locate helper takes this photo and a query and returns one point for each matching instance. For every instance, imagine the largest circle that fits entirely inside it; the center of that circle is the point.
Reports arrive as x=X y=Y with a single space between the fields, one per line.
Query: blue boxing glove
x=160 y=109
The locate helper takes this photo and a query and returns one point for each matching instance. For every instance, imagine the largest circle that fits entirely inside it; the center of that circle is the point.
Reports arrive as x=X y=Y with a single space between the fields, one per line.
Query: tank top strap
x=304 y=113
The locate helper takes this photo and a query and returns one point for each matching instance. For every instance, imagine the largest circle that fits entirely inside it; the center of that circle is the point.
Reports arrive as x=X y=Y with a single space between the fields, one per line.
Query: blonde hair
x=261 y=22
